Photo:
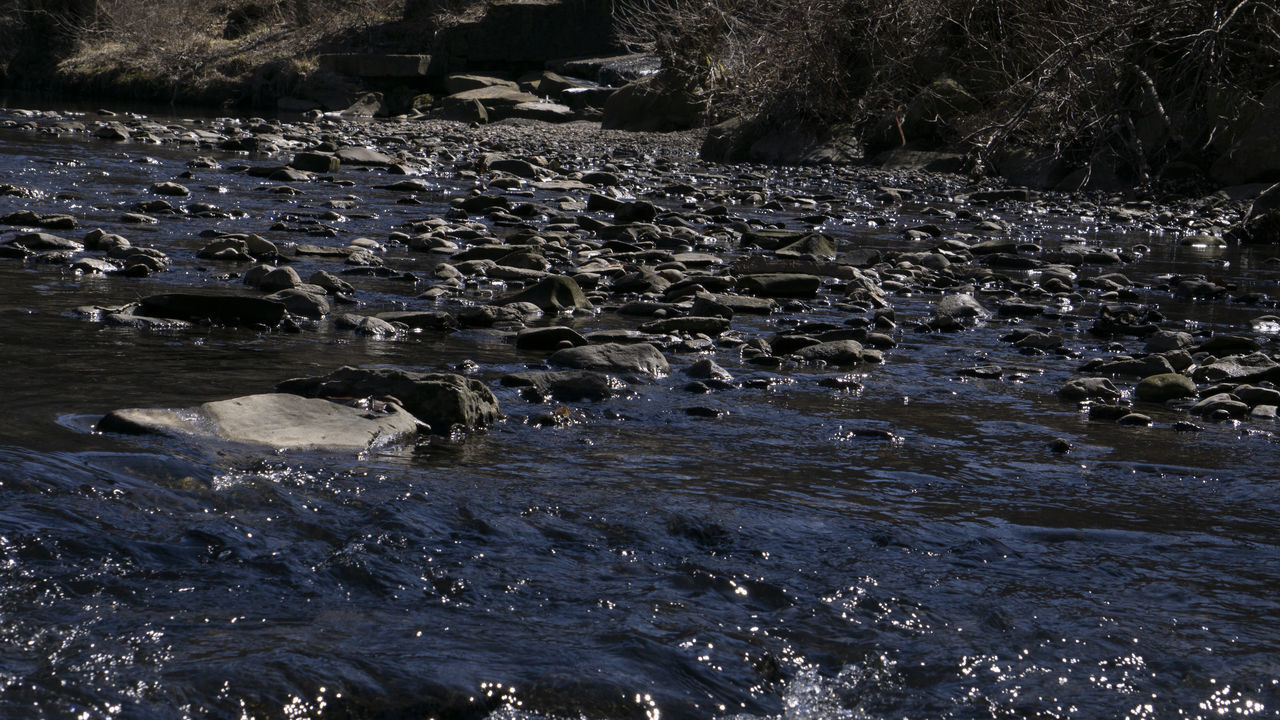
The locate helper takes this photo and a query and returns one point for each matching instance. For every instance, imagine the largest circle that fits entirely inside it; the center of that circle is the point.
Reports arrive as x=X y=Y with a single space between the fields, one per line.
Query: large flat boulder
x=274 y=420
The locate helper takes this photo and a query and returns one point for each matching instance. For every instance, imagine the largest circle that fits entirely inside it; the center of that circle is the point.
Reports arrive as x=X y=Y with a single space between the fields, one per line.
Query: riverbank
x=1101 y=97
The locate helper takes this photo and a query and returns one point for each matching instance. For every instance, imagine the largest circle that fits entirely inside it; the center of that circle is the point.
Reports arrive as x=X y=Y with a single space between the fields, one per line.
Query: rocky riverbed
x=609 y=303
x=606 y=251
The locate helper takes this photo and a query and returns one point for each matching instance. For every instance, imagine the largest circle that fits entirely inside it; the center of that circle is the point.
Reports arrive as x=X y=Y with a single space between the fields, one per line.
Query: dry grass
x=206 y=50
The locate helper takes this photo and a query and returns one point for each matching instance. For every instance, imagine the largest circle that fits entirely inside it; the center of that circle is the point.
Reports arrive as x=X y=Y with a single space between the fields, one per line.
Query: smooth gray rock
x=281 y=278
x=1253 y=395
x=1136 y=367
x=711 y=326
x=549 y=338
x=640 y=358
x=441 y=400
x=1165 y=386
x=45 y=241
x=796 y=285
x=553 y=294
x=960 y=306
x=434 y=320
x=708 y=369
x=93 y=266
x=1238 y=367
x=836 y=352
x=364 y=156
x=1166 y=340
x=1221 y=401
x=305 y=300
x=1089 y=389
x=275 y=420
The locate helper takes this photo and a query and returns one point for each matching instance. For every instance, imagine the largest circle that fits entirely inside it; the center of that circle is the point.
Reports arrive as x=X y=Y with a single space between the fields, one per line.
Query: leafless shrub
x=1153 y=79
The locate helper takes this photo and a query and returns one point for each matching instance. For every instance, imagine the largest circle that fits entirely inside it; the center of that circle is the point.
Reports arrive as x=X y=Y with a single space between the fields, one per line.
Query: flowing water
x=781 y=560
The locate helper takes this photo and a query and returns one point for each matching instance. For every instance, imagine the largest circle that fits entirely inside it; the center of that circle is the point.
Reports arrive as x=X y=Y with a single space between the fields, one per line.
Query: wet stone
x=640 y=358
x=549 y=338
x=1089 y=389
x=1164 y=387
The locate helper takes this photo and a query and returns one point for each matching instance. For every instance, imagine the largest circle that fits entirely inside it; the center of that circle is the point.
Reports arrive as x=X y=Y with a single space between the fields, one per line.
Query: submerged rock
x=274 y=420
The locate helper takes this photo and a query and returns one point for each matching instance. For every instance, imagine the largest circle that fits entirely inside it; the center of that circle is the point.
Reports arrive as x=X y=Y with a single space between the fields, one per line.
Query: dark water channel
x=781 y=560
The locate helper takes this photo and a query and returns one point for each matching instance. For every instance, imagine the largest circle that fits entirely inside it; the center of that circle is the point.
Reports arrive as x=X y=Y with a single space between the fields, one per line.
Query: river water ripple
x=780 y=561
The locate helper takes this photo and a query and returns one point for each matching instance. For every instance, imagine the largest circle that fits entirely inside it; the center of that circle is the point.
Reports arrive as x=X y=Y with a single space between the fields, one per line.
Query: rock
x=1166 y=340
x=220 y=309
x=93 y=266
x=226 y=249
x=1089 y=389
x=813 y=245
x=960 y=306
x=1265 y=412
x=780 y=285
x=369 y=104
x=1253 y=395
x=835 y=352
x=275 y=420
x=639 y=211
x=171 y=189
x=1224 y=402
x=553 y=294
x=359 y=156
x=708 y=369
x=305 y=300
x=40 y=242
x=1243 y=368
x=316 y=162
x=1135 y=367
x=1165 y=386
x=566 y=385
x=497 y=101
x=710 y=326
x=460 y=82
x=654 y=104
x=612 y=70
x=366 y=325
x=434 y=320
x=756 y=140
x=541 y=110
x=744 y=305
x=280 y=278
x=332 y=284
x=641 y=358
x=441 y=400
x=549 y=338
x=112 y=131
x=515 y=166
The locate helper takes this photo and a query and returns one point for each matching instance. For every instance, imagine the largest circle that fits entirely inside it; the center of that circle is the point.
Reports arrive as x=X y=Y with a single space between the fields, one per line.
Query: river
x=898 y=541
